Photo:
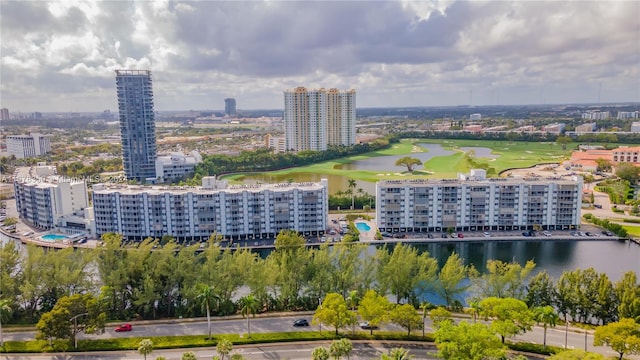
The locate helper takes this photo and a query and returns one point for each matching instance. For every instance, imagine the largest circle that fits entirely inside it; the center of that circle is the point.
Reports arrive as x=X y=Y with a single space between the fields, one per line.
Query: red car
x=123 y=327
x=460 y=236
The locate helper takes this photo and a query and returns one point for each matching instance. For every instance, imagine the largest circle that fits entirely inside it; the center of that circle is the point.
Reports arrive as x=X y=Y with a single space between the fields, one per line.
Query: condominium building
x=4 y=114
x=341 y=117
x=46 y=200
x=478 y=204
x=316 y=118
x=553 y=128
x=628 y=114
x=585 y=128
x=596 y=115
x=28 y=146
x=230 y=106
x=137 y=124
x=195 y=213
x=277 y=143
x=176 y=166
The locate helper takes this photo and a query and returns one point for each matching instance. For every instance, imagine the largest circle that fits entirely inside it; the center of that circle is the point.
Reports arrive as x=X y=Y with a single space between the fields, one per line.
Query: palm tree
x=474 y=309
x=145 y=347
x=208 y=297
x=424 y=306
x=548 y=317
x=249 y=307
x=352 y=185
x=224 y=347
x=5 y=311
x=397 y=354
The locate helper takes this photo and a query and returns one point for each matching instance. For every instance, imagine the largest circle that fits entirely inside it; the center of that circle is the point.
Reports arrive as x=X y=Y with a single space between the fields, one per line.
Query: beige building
x=314 y=119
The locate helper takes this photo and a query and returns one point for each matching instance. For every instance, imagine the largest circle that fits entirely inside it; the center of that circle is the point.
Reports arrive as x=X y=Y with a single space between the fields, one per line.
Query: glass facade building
x=137 y=124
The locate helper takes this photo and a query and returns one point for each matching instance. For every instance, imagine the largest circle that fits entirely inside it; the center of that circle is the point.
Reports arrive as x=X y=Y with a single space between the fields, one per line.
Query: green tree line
x=150 y=281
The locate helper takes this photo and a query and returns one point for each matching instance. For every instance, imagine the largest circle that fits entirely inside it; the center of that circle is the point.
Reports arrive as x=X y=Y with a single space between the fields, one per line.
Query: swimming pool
x=363 y=226
x=53 y=237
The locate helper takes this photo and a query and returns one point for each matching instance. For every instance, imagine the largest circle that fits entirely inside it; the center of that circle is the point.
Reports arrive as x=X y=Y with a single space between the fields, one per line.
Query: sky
x=59 y=56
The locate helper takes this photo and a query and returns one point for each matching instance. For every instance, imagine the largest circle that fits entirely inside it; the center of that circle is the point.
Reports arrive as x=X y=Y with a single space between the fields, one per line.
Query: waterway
x=613 y=258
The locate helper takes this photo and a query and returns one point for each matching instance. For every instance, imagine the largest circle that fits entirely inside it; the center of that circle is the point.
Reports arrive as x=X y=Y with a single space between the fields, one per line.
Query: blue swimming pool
x=363 y=226
x=53 y=237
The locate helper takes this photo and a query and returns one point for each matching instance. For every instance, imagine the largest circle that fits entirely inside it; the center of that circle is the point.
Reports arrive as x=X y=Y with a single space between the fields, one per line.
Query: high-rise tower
x=341 y=117
x=137 y=124
x=230 y=106
x=314 y=119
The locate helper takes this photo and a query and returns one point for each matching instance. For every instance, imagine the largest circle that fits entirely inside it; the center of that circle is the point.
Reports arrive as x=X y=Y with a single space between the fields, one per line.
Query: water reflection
x=613 y=258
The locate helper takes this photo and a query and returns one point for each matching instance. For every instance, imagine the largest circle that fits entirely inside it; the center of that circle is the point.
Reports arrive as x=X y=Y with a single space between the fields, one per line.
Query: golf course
x=440 y=159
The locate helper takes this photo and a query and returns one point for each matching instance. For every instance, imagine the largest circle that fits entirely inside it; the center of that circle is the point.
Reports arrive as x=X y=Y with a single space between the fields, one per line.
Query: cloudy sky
x=61 y=55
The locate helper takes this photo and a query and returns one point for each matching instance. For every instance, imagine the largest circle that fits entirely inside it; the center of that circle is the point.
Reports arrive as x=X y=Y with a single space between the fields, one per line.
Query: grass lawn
x=510 y=155
x=632 y=230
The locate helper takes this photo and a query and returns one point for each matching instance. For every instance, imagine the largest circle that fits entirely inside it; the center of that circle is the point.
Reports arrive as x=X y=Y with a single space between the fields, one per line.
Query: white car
x=486 y=234
x=546 y=233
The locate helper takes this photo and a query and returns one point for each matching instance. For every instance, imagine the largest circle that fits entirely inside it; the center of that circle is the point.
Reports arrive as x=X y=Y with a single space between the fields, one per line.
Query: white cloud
x=394 y=53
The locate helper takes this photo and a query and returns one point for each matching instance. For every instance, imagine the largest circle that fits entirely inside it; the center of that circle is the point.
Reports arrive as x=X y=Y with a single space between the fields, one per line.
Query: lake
x=382 y=164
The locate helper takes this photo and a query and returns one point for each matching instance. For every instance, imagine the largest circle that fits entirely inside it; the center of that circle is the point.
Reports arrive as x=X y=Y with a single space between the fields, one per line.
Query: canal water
x=613 y=258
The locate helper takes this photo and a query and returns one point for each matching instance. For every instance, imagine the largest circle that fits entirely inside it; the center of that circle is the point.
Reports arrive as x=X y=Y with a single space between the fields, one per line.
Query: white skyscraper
x=316 y=118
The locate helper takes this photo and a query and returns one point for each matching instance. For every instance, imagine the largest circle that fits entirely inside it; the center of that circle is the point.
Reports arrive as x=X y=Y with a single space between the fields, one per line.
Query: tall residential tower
x=230 y=106
x=137 y=124
x=314 y=119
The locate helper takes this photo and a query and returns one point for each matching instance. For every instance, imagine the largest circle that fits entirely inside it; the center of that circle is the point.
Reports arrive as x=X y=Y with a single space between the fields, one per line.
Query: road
x=290 y=351
x=263 y=324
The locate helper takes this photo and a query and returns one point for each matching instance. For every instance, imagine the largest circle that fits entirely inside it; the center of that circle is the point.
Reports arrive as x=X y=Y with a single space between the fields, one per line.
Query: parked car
x=546 y=233
x=444 y=236
x=460 y=236
x=366 y=325
x=430 y=236
x=123 y=327
x=607 y=233
x=486 y=234
x=454 y=235
x=301 y=322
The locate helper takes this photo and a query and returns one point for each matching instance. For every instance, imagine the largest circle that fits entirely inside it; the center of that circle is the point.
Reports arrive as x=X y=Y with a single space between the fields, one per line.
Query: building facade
x=341 y=117
x=626 y=155
x=45 y=200
x=478 y=204
x=314 y=119
x=4 y=114
x=585 y=128
x=195 y=213
x=276 y=143
x=137 y=124
x=230 y=106
x=28 y=146
x=628 y=115
x=176 y=166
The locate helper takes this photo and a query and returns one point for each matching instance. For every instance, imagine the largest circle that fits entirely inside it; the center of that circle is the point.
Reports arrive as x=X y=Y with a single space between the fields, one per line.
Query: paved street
x=264 y=324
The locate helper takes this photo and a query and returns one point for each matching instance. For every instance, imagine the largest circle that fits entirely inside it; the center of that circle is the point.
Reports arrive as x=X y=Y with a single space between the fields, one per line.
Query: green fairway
x=508 y=155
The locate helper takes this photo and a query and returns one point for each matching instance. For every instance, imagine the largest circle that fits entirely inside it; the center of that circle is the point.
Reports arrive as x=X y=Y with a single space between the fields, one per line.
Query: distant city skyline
x=60 y=56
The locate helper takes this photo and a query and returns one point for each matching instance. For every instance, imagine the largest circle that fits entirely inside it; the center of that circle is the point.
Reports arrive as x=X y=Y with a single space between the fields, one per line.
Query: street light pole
x=566 y=333
x=585 y=340
x=75 y=327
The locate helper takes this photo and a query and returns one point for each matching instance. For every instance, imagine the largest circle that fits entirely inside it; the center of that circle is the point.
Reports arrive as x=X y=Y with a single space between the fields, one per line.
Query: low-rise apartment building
x=46 y=200
x=195 y=213
x=478 y=204
x=28 y=146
